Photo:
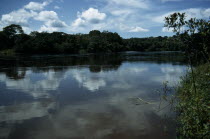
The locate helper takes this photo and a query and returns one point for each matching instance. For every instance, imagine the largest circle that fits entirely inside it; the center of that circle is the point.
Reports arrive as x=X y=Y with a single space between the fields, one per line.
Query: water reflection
x=25 y=111
x=36 y=85
x=90 y=81
x=89 y=96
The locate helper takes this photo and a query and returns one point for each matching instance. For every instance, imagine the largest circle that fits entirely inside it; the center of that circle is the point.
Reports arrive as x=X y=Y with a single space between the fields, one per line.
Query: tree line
x=13 y=37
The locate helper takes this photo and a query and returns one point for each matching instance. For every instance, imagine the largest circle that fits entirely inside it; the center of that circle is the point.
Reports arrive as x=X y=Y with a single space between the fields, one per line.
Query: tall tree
x=195 y=34
x=13 y=30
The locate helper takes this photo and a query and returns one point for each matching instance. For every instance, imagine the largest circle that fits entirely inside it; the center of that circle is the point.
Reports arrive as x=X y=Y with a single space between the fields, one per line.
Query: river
x=103 y=96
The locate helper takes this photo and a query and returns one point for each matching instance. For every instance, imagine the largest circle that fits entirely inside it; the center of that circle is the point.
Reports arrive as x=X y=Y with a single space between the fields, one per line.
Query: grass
x=193 y=105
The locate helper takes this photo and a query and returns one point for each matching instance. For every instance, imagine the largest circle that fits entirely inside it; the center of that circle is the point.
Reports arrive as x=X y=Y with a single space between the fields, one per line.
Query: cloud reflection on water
x=110 y=110
x=127 y=76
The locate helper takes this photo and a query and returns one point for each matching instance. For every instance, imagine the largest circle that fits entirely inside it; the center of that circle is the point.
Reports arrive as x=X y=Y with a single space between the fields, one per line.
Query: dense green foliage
x=194 y=33
x=154 y=44
x=193 y=104
x=13 y=37
x=193 y=94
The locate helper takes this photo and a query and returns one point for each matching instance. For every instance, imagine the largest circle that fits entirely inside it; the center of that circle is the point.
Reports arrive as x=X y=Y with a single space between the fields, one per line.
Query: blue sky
x=129 y=18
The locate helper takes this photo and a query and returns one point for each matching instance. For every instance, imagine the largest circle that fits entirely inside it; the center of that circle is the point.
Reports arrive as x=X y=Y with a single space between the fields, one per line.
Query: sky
x=129 y=18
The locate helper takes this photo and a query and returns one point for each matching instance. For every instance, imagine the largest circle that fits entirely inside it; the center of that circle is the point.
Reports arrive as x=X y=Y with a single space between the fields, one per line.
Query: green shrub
x=193 y=104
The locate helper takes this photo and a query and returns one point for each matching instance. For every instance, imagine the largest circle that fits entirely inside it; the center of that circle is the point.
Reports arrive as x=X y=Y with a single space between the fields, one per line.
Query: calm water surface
x=87 y=96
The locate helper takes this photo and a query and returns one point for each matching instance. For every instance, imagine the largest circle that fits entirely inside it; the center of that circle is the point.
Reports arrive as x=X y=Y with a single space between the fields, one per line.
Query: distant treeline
x=13 y=37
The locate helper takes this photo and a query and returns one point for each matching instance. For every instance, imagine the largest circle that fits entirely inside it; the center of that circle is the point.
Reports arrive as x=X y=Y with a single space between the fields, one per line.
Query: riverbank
x=193 y=103
x=7 y=52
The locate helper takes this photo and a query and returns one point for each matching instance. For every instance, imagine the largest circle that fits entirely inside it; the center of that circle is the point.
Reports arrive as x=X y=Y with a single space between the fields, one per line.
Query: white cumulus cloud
x=127 y=28
x=138 y=29
x=93 y=15
x=36 y=6
x=92 y=18
x=79 y=22
x=20 y=17
x=51 y=21
x=46 y=16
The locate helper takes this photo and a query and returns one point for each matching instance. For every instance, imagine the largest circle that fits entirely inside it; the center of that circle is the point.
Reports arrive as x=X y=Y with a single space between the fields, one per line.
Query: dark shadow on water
x=15 y=67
